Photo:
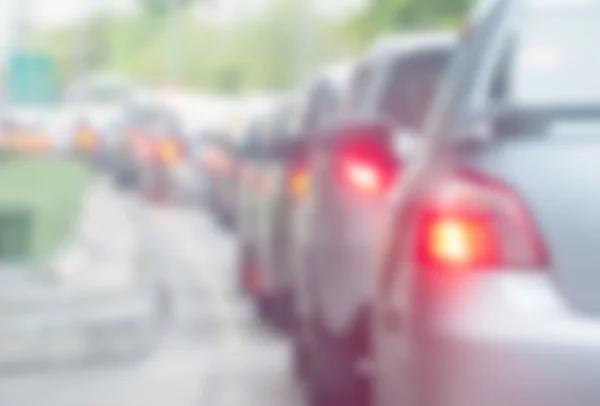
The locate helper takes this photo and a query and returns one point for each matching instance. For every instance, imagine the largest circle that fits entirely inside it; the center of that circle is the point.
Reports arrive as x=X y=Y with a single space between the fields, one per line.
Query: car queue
x=421 y=221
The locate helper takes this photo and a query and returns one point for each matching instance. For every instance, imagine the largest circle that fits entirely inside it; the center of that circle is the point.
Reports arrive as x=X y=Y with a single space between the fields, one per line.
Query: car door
x=326 y=106
x=363 y=171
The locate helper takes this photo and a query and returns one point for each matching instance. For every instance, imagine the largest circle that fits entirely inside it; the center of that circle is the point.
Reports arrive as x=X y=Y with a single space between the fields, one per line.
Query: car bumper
x=517 y=344
x=465 y=374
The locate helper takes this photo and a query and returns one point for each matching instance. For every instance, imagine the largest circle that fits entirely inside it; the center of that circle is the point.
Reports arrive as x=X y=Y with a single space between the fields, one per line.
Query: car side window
x=250 y=140
x=410 y=88
x=323 y=106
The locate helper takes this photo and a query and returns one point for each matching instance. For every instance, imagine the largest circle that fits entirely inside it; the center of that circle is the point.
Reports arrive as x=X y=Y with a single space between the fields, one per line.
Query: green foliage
x=51 y=191
x=253 y=54
x=97 y=49
x=401 y=15
x=161 y=7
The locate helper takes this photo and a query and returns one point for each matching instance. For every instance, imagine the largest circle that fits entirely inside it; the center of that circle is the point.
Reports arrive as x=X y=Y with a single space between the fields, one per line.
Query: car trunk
x=558 y=179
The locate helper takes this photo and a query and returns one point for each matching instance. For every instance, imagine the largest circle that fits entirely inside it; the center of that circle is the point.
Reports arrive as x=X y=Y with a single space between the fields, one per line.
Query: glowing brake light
x=364 y=176
x=472 y=222
x=460 y=242
x=368 y=170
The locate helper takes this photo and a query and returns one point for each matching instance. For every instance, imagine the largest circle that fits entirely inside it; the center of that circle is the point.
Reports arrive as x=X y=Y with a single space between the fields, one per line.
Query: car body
x=28 y=130
x=224 y=166
x=87 y=139
x=220 y=168
x=150 y=150
x=164 y=165
x=282 y=155
x=128 y=148
x=293 y=126
x=351 y=170
x=488 y=280
x=251 y=156
x=190 y=179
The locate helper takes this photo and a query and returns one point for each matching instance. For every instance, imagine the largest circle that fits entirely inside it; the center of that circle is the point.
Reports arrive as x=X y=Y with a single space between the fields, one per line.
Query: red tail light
x=473 y=222
x=364 y=176
x=366 y=169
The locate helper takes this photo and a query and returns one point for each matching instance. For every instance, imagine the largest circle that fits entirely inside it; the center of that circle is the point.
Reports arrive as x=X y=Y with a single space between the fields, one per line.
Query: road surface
x=215 y=351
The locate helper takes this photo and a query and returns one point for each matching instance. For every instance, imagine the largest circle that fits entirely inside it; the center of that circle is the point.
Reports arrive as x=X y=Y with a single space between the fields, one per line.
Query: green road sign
x=32 y=79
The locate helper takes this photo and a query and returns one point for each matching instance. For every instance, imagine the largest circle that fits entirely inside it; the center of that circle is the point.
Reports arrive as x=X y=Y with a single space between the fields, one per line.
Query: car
x=324 y=98
x=149 y=151
x=488 y=283
x=165 y=157
x=296 y=122
x=129 y=146
x=29 y=131
x=87 y=142
x=350 y=173
x=190 y=177
x=224 y=167
x=219 y=159
x=250 y=157
x=281 y=157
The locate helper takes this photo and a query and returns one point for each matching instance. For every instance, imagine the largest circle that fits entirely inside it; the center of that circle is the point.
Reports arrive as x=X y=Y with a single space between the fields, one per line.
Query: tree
x=96 y=46
x=384 y=16
x=159 y=8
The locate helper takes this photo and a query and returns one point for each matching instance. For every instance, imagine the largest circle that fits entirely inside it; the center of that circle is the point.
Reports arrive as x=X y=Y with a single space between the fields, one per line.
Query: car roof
x=398 y=45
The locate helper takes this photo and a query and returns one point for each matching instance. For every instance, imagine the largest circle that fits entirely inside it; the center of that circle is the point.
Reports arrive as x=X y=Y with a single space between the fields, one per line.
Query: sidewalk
x=105 y=240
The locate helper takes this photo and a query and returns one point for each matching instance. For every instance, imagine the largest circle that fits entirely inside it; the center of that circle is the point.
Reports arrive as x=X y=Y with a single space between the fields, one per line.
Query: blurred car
x=351 y=171
x=193 y=131
x=87 y=142
x=61 y=125
x=270 y=170
x=322 y=102
x=224 y=168
x=163 y=158
x=100 y=101
x=282 y=174
x=29 y=131
x=133 y=139
x=488 y=292
x=220 y=167
x=252 y=153
x=45 y=317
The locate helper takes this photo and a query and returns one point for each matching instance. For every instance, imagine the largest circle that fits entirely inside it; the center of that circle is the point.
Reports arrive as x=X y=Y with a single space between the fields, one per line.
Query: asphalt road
x=215 y=352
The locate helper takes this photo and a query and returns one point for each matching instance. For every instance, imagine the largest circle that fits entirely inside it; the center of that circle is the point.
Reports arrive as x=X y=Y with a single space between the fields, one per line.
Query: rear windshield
x=410 y=86
x=552 y=58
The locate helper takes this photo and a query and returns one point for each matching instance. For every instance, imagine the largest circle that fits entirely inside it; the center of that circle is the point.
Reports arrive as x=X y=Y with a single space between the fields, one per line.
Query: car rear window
x=552 y=58
x=410 y=87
